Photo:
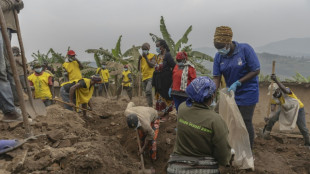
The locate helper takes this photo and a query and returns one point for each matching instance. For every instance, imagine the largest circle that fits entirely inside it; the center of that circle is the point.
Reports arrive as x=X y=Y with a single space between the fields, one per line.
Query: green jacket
x=202 y=132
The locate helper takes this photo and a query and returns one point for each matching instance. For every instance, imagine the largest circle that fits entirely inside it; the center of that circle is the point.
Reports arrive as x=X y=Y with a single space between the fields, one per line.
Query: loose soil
x=74 y=144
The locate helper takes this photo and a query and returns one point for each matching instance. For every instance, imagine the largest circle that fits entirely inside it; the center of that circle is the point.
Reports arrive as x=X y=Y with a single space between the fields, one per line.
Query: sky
x=84 y=24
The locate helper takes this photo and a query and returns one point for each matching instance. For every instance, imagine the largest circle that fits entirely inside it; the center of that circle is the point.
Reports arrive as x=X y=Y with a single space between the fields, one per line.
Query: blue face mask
x=103 y=66
x=158 y=50
x=180 y=64
x=125 y=69
x=38 y=70
x=223 y=51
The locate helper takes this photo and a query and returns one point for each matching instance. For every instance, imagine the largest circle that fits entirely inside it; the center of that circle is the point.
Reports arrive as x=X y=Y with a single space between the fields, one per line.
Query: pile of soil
x=74 y=144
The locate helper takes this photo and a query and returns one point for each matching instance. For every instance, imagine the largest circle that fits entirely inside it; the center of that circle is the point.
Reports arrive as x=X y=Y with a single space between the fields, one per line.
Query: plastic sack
x=238 y=136
x=289 y=114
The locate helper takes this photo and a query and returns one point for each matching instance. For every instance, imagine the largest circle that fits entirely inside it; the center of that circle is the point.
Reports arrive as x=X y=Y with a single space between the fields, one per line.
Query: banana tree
x=115 y=59
x=195 y=57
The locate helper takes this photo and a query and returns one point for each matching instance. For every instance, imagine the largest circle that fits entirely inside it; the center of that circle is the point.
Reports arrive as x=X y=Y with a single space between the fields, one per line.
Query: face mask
x=103 y=67
x=223 y=51
x=125 y=69
x=180 y=64
x=38 y=70
x=277 y=94
x=70 y=60
x=158 y=50
x=139 y=124
x=145 y=52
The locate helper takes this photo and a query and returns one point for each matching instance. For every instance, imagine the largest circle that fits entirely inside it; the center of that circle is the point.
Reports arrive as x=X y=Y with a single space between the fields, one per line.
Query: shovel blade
x=37 y=109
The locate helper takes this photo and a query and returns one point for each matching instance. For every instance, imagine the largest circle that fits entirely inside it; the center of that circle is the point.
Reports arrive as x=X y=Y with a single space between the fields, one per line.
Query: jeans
x=47 y=102
x=178 y=100
x=6 y=96
x=247 y=115
x=128 y=90
x=65 y=97
x=147 y=87
x=103 y=87
x=301 y=123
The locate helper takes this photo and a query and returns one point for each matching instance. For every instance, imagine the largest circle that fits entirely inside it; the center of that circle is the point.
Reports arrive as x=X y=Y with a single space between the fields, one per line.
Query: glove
x=234 y=86
x=169 y=92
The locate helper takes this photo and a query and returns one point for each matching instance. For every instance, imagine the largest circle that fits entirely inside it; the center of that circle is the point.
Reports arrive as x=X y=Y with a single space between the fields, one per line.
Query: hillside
x=296 y=47
x=286 y=66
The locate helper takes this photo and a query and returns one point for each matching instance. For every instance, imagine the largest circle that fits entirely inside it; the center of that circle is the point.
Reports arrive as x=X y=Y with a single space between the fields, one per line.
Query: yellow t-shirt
x=83 y=95
x=147 y=72
x=282 y=100
x=126 y=78
x=41 y=87
x=73 y=70
x=104 y=74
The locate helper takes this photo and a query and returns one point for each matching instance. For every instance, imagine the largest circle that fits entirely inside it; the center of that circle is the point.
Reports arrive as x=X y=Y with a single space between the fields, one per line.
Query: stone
x=55 y=135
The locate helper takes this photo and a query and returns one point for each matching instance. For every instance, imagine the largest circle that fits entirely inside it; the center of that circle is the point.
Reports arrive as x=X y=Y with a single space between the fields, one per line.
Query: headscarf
x=146 y=45
x=181 y=56
x=223 y=34
x=199 y=89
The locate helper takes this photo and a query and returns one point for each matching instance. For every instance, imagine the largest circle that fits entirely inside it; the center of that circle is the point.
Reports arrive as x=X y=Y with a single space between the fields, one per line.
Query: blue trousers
x=6 y=95
x=178 y=100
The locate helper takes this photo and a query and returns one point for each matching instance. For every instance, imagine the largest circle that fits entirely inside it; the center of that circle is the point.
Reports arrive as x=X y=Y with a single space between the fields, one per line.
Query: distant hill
x=296 y=47
x=286 y=66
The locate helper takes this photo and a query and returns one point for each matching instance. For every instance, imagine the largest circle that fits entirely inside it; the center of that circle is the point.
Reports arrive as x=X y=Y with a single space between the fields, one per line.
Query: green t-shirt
x=201 y=132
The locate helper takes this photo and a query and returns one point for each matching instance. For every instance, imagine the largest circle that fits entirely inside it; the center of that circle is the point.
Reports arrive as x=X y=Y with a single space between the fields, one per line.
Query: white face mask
x=139 y=124
x=38 y=70
x=145 y=52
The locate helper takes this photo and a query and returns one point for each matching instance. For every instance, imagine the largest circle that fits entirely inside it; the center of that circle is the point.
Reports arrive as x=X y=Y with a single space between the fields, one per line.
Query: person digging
x=146 y=121
x=79 y=92
x=42 y=83
x=290 y=113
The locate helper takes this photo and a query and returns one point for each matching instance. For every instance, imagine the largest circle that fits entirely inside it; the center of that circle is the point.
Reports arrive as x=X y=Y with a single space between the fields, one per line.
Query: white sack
x=238 y=136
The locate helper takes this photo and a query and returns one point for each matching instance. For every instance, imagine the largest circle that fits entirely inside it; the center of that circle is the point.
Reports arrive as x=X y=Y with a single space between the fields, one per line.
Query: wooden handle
x=141 y=155
x=271 y=88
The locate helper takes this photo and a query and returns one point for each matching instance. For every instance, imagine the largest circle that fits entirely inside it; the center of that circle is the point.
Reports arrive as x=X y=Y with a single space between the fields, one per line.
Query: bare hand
x=273 y=77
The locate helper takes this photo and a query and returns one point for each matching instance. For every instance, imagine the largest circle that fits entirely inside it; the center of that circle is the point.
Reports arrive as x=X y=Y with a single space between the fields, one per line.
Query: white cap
x=275 y=86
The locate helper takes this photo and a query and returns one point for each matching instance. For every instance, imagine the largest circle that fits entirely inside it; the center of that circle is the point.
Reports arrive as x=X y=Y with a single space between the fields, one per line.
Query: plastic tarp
x=238 y=135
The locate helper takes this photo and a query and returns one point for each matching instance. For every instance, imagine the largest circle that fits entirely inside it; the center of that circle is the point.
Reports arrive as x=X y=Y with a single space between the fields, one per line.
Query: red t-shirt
x=177 y=75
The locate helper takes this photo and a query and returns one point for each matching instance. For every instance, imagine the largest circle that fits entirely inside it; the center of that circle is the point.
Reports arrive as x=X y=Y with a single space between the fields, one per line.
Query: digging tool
x=20 y=143
x=271 y=88
x=7 y=43
x=270 y=98
x=33 y=107
x=143 y=171
x=101 y=116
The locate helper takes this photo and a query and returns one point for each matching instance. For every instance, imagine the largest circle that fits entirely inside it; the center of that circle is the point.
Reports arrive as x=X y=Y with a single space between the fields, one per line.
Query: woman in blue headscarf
x=201 y=143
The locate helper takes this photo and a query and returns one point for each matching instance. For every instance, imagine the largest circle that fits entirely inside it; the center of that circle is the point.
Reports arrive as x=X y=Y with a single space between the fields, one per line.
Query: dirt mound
x=68 y=147
x=74 y=144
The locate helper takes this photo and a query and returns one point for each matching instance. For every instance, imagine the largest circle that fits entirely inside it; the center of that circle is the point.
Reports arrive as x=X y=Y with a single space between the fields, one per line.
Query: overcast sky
x=84 y=24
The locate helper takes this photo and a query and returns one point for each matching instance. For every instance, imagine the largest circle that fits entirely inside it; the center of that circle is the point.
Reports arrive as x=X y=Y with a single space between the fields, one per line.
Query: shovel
x=38 y=108
x=101 y=116
x=143 y=171
x=34 y=107
x=19 y=143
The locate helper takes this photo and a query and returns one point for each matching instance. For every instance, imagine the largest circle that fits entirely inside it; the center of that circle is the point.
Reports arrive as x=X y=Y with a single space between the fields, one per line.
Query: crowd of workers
x=201 y=143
